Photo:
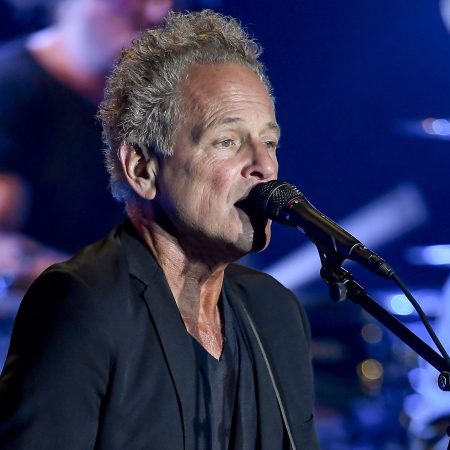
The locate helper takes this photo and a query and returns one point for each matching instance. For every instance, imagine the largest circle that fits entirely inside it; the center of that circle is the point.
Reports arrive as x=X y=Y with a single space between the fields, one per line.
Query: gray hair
x=142 y=104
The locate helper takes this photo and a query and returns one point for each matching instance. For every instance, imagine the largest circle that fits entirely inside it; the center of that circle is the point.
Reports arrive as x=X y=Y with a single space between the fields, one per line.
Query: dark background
x=353 y=80
x=345 y=74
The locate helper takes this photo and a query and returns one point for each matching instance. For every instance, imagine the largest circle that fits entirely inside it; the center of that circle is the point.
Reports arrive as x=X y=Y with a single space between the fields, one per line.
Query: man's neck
x=195 y=284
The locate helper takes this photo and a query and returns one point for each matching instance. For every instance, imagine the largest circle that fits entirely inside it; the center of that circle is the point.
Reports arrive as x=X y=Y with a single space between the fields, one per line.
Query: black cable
x=422 y=316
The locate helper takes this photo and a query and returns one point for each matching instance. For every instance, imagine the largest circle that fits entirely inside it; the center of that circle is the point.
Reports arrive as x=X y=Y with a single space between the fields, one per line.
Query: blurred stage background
x=363 y=99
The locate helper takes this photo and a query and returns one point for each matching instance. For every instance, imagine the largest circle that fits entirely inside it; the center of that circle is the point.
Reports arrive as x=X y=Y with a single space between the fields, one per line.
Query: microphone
x=284 y=203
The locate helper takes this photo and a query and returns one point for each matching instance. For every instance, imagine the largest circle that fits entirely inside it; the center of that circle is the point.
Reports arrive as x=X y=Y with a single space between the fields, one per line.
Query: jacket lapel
x=277 y=349
x=175 y=342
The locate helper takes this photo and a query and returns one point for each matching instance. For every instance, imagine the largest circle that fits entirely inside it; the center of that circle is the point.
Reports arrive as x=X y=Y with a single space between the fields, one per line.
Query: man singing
x=152 y=338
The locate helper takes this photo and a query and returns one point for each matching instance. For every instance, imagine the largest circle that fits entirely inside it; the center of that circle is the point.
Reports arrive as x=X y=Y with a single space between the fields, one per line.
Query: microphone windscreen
x=271 y=197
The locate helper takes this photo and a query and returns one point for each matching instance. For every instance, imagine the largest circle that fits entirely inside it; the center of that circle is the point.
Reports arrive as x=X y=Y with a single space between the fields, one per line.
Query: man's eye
x=226 y=143
x=270 y=144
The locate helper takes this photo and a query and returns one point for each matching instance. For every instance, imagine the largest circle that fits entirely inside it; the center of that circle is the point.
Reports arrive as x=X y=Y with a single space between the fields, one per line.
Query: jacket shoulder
x=266 y=298
x=255 y=280
x=99 y=266
x=89 y=287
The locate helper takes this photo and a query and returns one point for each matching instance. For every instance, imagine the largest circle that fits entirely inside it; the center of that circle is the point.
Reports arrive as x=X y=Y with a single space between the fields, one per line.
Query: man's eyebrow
x=224 y=121
x=274 y=127
x=229 y=120
x=198 y=130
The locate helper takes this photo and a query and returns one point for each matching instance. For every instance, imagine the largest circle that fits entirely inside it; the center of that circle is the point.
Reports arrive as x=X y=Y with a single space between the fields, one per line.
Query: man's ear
x=140 y=166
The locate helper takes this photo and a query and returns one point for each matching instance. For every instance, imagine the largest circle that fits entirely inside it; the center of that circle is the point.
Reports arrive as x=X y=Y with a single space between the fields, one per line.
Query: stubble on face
x=217 y=159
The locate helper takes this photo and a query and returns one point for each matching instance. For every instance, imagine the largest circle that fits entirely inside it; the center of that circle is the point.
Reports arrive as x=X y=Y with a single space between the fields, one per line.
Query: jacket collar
x=177 y=344
x=175 y=341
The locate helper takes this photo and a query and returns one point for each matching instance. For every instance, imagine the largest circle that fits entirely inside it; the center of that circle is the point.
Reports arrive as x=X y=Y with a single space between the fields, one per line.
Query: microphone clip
x=333 y=274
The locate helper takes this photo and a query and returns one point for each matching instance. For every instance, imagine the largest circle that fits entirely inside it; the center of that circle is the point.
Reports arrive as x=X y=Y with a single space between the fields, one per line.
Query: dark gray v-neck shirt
x=227 y=407
x=217 y=382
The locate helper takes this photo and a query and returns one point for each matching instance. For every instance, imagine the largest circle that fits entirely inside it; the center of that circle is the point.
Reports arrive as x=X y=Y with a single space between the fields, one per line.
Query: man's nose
x=262 y=163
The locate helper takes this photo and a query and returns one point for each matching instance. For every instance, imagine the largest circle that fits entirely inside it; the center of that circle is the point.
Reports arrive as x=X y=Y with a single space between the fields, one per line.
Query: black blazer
x=100 y=358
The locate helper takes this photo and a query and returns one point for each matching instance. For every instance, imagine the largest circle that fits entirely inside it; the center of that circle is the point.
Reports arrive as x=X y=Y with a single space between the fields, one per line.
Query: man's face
x=224 y=145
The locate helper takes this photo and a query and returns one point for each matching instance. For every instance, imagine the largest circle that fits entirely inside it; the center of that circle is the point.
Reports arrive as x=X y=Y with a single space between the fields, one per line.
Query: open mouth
x=257 y=219
x=252 y=210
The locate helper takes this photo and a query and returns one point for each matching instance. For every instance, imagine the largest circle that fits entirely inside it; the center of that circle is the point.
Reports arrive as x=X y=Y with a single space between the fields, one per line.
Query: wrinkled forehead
x=222 y=82
x=223 y=95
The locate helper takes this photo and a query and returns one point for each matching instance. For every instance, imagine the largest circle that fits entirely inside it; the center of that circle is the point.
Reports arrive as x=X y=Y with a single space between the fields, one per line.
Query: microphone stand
x=342 y=285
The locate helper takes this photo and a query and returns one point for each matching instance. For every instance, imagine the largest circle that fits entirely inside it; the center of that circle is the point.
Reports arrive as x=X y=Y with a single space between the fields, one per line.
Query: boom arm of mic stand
x=342 y=285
